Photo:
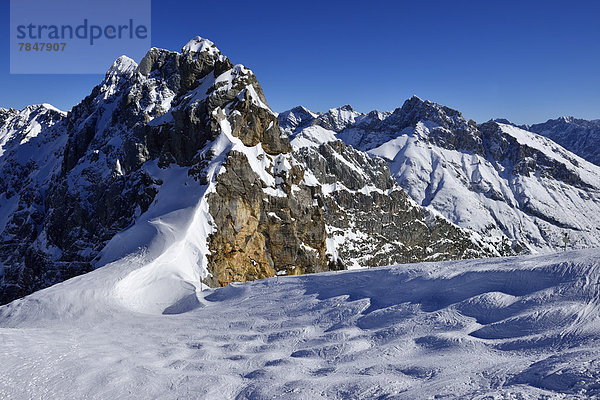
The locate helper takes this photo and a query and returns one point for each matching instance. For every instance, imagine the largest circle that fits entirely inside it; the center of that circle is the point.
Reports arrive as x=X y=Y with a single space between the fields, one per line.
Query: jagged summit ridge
x=18 y=126
x=123 y=66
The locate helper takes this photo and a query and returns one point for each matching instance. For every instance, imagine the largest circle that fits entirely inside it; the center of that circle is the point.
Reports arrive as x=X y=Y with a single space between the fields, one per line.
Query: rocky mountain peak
x=200 y=45
x=123 y=66
x=338 y=119
x=414 y=101
x=299 y=113
x=566 y=119
x=17 y=126
x=577 y=135
x=414 y=110
x=297 y=118
x=301 y=110
x=502 y=121
x=179 y=132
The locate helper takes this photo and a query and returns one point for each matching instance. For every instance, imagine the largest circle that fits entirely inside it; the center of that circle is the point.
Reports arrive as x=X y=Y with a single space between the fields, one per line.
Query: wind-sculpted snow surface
x=507 y=328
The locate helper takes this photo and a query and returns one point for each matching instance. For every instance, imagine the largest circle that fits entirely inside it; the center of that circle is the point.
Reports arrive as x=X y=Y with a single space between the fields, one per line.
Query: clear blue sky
x=522 y=60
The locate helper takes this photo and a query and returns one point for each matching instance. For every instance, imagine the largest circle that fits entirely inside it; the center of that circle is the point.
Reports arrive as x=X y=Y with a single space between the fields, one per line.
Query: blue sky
x=522 y=60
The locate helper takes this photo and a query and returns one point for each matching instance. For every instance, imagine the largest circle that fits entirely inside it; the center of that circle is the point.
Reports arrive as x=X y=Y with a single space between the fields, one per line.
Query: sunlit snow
x=497 y=329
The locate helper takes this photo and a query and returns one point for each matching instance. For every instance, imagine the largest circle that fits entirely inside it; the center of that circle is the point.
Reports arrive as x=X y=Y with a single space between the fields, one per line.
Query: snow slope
x=523 y=327
x=481 y=194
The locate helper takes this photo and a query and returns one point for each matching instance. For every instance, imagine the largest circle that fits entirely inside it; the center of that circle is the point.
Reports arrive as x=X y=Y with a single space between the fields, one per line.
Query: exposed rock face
x=257 y=234
x=447 y=127
x=372 y=222
x=528 y=161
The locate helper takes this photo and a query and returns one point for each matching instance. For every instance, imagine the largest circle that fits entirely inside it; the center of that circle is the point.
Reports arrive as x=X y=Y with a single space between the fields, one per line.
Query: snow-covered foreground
x=523 y=327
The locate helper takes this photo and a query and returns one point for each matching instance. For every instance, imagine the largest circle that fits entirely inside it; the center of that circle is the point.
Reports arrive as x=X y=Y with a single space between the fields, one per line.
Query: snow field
x=523 y=327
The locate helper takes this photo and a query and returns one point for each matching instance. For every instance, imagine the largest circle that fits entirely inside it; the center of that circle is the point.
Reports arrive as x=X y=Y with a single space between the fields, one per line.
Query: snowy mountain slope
x=29 y=141
x=577 y=135
x=32 y=141
x=534 y=205
x=502 y=182
x=155 y=154
x=520 y=327
x=180 y=161
x=370 y=220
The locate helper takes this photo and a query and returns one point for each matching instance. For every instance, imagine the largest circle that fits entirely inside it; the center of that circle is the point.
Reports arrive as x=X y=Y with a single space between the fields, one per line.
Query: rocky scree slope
x=511 y=186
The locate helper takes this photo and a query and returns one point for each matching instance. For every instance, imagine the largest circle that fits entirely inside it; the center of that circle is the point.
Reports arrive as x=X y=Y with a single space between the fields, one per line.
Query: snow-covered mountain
x=580 y=136
x=370 y=220
x=32 y=141
x=508 y=328
x=179 y=160
x=157 y=158
x=507 y=184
